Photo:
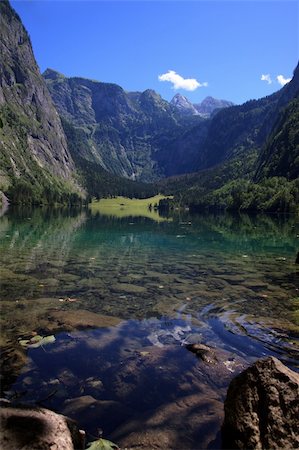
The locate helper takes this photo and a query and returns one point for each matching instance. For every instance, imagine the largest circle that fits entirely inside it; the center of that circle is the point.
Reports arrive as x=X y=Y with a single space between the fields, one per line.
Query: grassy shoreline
x=128 y=207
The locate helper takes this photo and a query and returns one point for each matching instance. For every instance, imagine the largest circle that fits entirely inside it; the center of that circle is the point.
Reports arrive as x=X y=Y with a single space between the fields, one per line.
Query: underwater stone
x=203 y=352
x=79 y=319
x=128 y=288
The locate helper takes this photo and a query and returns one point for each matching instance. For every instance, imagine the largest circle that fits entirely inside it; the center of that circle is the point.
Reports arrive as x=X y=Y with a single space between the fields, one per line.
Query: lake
x=96 y=312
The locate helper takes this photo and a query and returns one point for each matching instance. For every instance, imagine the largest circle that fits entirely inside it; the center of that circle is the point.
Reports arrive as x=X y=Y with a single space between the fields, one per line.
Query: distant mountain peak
x=210 y=104
x=204 y=109
x=150 y=93
x=183 y=105
x=179 y=96
x=51 y=74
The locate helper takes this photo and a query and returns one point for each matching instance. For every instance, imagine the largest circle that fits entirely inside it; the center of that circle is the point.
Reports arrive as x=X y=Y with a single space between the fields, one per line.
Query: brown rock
x=262 y=408
x=80 y=319
x=37 y=429
x=13 y=359
x=203 y=352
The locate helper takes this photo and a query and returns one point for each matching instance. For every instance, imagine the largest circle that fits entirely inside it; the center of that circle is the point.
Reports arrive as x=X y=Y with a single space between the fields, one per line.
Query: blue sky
x=223 y=46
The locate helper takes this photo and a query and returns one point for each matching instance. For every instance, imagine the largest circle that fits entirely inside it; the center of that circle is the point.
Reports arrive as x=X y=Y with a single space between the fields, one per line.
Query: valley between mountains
x=66 y=140
x=148 y=248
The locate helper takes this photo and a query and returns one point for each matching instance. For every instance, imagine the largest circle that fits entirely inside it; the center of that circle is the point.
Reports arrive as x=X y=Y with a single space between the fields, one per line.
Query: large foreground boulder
x=262 y=408
x=23 y=428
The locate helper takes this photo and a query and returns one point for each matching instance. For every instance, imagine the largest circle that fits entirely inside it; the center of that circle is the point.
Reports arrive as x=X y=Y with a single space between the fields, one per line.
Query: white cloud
x=282 y=80
x=266 y=77
x=189 y=84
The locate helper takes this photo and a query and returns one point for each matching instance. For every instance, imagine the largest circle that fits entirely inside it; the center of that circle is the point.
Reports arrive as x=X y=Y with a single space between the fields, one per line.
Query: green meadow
x=128 y=207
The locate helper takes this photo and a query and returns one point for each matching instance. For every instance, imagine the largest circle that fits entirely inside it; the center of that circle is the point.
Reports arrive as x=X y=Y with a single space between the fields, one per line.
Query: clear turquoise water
x=222 y=280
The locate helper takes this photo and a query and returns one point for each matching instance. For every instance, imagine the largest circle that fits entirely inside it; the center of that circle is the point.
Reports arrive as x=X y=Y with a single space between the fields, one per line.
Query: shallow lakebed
x=117 y=299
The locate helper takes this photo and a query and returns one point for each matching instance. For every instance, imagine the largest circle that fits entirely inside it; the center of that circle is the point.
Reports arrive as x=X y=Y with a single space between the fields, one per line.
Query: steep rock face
x=262 y=408
x=127 y=131
x=185 y=149
x=32 y=140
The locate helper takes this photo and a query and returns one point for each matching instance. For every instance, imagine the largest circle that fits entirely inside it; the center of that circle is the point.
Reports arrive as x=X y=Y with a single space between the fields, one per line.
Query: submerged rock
x=128 y=288
x=79 y=319
x=96 y=414
x=37 y=429
x=203 y=352
x=13 y=359
x=176 y=406
x=262 y=408
x=174 y=425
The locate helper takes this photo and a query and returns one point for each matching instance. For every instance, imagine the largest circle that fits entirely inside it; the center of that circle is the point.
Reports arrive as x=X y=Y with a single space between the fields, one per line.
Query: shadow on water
x=123 y=296
x=115 y=379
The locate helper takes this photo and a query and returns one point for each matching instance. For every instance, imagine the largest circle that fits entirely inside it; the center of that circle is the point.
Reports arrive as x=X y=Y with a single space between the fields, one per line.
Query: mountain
x=280 y=156
x=249 y=158
x=204 y=109
x=183 y=105
x=34 y=158
x=229 y=133
x=125 y=132
x=97 y=181
x=235 y=130
x=143 y=137
x=211 y=104
x=241 y=157
x=238 y=129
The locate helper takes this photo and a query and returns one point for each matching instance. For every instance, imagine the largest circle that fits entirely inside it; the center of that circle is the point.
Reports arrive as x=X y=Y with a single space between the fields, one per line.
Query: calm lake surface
x=116 y=300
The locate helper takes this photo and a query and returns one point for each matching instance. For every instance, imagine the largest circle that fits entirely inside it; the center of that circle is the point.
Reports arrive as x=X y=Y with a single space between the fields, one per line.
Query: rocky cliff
x=32 y=140
x=126 y=132
x=140 y=136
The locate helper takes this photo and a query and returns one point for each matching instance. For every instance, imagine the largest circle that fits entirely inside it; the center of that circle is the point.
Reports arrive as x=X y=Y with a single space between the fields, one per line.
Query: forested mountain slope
x=280 y=156
x=264 y=178
x=236 y=130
